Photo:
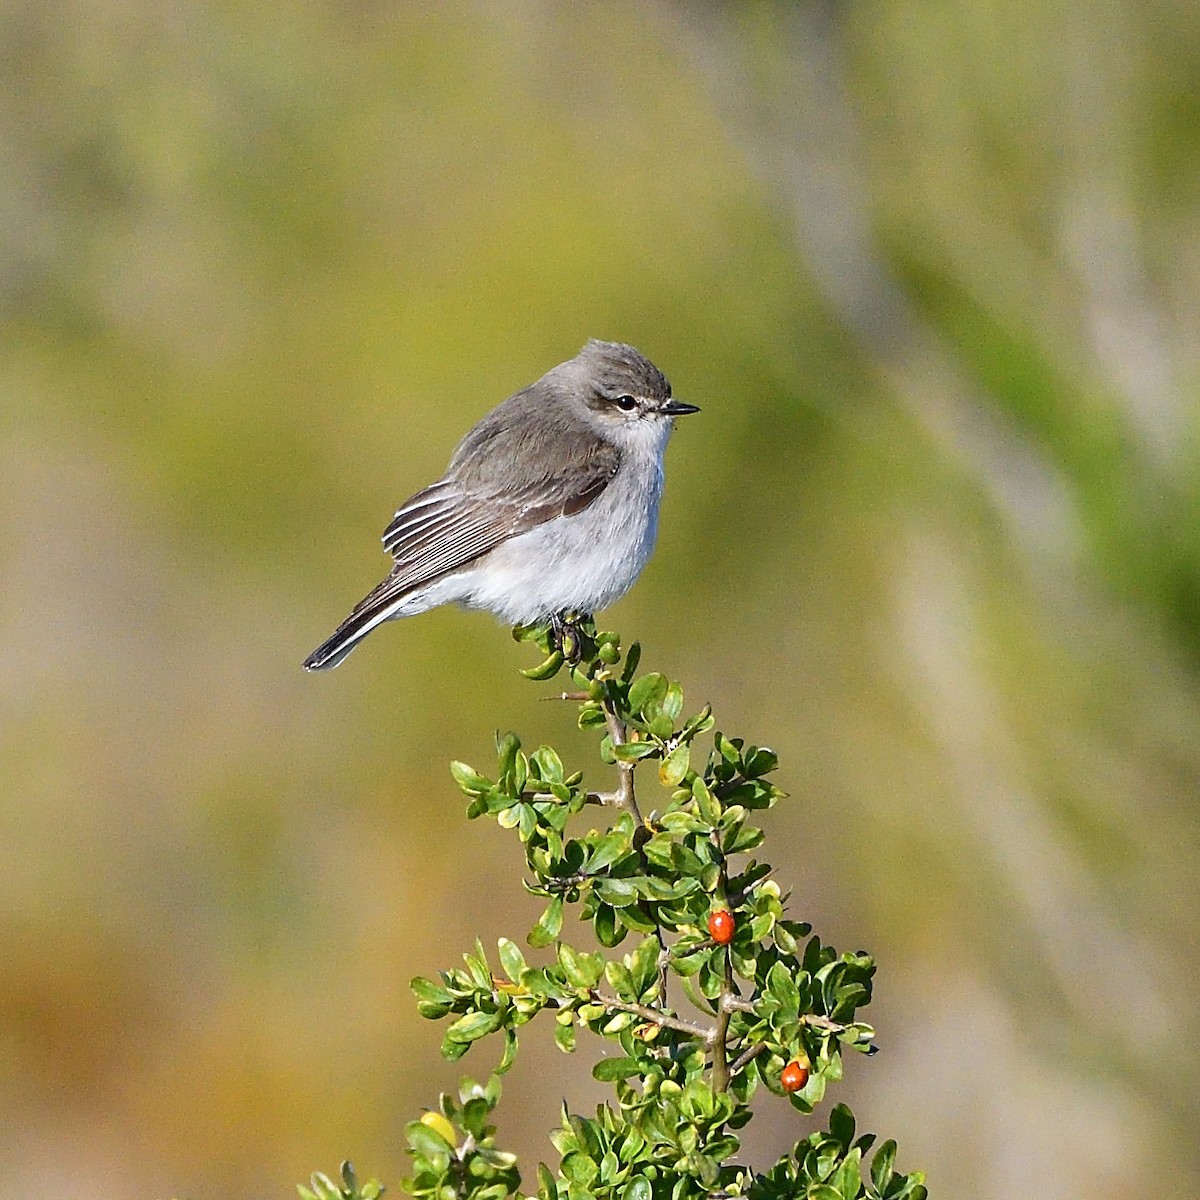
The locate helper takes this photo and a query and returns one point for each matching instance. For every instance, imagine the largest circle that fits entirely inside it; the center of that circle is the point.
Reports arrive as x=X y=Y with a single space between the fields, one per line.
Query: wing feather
x=454 y=522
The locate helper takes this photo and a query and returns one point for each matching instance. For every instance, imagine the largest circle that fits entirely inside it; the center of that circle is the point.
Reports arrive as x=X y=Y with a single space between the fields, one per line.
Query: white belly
x=584 y=562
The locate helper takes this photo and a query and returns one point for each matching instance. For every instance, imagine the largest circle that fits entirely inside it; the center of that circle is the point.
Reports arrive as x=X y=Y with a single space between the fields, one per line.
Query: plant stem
x=704 y=1032
x=720 y=1042
x=616 y=730
x=626 y=798
x=746 y=1057
x=726 y=997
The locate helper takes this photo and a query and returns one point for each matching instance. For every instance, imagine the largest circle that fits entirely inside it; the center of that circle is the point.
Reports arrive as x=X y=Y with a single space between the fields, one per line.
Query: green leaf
x=323 y=1188
x=511 y=959
x=742 y=838
x=633 y=917
x=474 y=1025
x=452 y=1051
x=608 y=932
x=428 y=1143
x=783 y=988
x=510 y=818
x=548 y=763
x=841 y=1125
x=706 y=802
x=549 y=924
x=881 y=1165
x=608 y=1070
x=608 y=653
x=507 y=748
x=430 y=992
x=547 y=669
x=632 y=751
x=759 y=761
x=675 y=765
x=633 y=656
x=648 y=691
x=848 y=1177
x=660 y=727
x=618 y=892
x=612 y=846
x=660 y=850
x=643 y=966
x=581 y=970
x=564 y=1037
x=700 y=723
x=727 y=749
x=619 y=980
x=672 y=702
x=689 y=964
x=468 y=780
x=636 y=1189
x=812 y=955
x=510 y=1052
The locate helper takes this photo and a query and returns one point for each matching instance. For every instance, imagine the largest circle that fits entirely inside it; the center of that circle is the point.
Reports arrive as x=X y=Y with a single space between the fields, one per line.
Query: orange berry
x=793 y=1077
x=720 y=927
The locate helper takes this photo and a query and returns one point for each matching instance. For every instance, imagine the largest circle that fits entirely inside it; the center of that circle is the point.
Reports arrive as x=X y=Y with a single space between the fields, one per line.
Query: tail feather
x=375 y=608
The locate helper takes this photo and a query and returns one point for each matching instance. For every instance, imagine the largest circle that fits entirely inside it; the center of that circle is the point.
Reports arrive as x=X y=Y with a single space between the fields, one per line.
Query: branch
x=747 y=1057
x=625 y=797
x=604 y=798
x=725 y=999
x=720 y=1041
x=819 y=1022
x=704 y=1032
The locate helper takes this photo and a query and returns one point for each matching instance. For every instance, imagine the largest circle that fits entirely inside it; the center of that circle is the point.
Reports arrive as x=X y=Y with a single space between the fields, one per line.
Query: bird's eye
x=626 y=403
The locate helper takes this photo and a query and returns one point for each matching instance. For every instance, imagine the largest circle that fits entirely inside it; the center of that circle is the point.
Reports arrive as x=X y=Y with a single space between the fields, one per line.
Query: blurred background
x=933 y=273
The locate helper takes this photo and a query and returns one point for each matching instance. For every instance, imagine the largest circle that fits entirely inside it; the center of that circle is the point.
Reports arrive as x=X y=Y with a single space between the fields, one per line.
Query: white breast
x=584 y=562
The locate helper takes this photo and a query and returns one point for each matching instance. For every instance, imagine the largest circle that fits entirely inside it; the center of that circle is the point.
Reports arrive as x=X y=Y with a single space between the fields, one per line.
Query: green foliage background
x=933 y=273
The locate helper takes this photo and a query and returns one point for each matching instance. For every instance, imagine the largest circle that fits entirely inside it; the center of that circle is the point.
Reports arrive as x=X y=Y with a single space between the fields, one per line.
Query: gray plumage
x=515 y=525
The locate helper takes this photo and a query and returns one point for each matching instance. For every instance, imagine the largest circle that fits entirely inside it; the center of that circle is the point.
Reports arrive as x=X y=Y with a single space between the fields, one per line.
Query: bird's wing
x=452 y=523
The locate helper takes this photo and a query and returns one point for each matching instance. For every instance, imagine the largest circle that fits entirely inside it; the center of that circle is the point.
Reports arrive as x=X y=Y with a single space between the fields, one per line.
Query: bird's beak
x=677 y=408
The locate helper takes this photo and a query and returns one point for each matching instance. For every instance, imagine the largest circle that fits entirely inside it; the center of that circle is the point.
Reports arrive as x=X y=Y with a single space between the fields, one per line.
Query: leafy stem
x=681 y=896
x=624 y=797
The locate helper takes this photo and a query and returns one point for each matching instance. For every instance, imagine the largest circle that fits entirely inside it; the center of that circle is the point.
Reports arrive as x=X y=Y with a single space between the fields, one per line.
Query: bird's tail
x=375 y=608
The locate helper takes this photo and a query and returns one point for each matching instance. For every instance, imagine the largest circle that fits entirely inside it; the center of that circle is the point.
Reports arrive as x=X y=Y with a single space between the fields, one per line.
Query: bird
x=548 y=510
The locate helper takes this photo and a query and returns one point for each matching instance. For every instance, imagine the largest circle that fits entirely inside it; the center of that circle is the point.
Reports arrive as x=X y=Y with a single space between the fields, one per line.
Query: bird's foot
x=566 y=634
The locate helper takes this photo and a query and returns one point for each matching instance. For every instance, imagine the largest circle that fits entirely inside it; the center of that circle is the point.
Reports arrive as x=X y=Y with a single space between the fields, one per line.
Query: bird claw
x=566 y=635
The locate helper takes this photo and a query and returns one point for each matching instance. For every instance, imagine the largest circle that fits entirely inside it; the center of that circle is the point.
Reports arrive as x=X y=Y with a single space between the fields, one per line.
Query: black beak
x=677 y=408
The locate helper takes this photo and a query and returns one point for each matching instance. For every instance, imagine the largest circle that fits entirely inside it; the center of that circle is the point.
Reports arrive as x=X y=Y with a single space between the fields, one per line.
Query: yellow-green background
x=933 y=273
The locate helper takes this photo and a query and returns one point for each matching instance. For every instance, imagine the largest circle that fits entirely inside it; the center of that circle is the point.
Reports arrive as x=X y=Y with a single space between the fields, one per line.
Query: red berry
x=720 y=927
x=793 y=1077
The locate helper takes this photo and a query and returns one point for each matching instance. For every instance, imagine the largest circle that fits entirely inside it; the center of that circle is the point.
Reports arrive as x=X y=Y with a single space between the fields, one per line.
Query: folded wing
x=454 y=522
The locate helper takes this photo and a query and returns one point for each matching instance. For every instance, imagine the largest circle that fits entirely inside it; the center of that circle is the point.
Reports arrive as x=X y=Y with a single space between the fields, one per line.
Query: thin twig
x=616 y=731
x=720 y=1042
x=658 y=1017
x=725 y=1000
x=605 y=798
x=563 y=883
x=746 y=1057
x=819 y=1022
x=627 y=799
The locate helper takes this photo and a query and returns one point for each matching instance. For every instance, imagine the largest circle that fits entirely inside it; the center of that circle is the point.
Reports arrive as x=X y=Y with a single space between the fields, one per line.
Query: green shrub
x=769 y=1004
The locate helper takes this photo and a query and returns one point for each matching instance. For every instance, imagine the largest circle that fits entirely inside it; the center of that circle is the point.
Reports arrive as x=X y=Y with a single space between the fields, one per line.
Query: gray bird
x=548 y=507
